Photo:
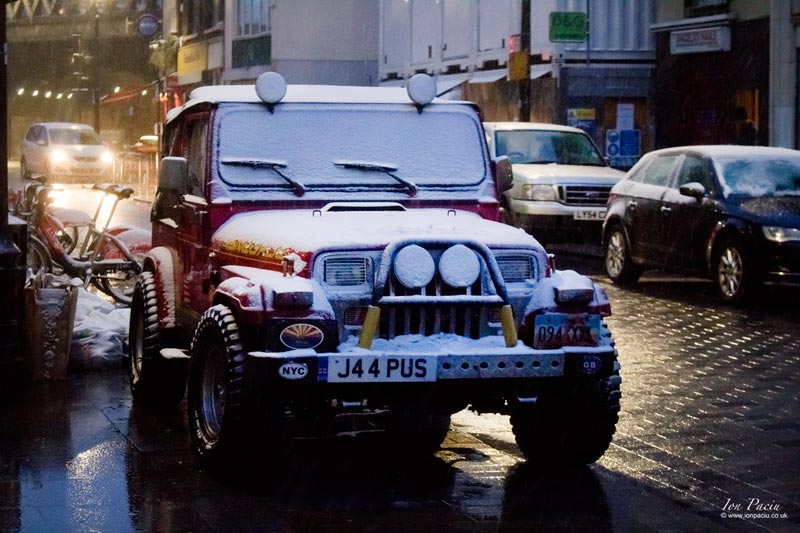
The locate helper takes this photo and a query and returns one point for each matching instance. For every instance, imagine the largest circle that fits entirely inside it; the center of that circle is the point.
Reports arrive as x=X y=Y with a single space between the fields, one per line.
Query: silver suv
x=561 y=182
x=65 y=150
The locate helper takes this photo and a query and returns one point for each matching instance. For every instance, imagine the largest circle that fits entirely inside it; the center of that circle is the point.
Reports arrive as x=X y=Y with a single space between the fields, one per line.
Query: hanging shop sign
x=699 y=40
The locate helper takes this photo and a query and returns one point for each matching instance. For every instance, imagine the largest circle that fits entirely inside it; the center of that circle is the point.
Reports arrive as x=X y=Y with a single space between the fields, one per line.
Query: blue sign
x=623 y=147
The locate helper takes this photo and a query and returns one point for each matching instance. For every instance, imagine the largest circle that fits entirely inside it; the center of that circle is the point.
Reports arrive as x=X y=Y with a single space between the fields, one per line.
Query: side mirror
x=503 y=174
x=693 y=190
x=41 y=142
x=173 y=174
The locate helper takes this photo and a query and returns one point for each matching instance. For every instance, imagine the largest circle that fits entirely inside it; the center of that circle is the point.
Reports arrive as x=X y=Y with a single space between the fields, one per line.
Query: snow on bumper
x=414 y=358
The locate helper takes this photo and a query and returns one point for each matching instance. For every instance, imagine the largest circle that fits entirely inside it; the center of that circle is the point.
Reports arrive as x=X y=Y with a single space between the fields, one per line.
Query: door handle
x=632 y=205
x=665 y=210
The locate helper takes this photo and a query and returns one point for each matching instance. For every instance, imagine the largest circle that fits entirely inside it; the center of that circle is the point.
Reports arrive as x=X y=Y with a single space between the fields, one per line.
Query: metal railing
x=139 y=171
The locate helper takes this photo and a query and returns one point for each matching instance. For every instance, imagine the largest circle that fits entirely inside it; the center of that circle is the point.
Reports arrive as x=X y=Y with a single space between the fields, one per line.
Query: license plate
x=367 y=369
x=589 y=214
x=555 y=330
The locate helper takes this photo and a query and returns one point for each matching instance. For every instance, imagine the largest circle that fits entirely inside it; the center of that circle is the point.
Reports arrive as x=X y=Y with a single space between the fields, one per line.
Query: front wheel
x=618 y=262
x=570 y=427
x=731 y=271
x=216 y=388
x=153 y=380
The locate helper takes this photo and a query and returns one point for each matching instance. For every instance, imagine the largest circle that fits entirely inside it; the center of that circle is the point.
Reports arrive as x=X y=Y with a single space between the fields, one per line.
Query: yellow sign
x=581 y=113
x=192 y=58
x=518 y=65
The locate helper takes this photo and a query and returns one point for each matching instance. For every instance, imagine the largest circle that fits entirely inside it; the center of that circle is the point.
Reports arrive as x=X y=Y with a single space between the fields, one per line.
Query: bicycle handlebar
x=110 y=188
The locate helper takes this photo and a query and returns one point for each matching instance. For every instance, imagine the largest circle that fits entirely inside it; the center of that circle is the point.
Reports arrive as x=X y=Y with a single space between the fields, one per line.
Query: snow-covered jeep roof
x=215 y=94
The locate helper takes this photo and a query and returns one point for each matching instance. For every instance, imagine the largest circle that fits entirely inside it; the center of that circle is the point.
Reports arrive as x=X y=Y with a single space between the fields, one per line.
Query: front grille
x=410 y=318
x=585 y=195
x=85 y=159
x=346 y=271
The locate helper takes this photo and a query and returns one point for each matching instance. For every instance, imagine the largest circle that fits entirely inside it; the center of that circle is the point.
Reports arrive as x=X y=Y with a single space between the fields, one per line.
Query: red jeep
x=330 y=257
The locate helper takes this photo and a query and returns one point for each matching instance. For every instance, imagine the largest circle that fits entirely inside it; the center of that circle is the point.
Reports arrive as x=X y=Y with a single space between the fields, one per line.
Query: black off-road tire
x=216 y=390
x=153 y=380
x=570 y=427
x=617 y=260
x=732 y=272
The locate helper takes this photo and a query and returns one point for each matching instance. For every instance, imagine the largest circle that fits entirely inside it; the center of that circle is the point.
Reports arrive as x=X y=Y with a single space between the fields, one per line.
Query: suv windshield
x=73 y=136
x=773 y=176
x=325 y=148
x=543 y=147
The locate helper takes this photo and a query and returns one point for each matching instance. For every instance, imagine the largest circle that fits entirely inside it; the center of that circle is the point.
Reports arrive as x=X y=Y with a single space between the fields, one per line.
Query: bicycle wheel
x=38 y=258
x=118 y=284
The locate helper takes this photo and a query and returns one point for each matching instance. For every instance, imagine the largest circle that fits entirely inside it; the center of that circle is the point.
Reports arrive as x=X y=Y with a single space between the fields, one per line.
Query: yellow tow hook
x=370 y=327
x=509 y=329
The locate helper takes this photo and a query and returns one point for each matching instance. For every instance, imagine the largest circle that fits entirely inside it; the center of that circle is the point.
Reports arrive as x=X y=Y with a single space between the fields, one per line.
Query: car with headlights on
x=729 y=213
x=561 y=181
x=65 y=151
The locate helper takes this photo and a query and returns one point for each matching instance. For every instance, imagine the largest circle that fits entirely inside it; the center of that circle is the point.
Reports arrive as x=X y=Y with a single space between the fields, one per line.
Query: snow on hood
x=562 y=173
x=777 y=210
x=303 y=231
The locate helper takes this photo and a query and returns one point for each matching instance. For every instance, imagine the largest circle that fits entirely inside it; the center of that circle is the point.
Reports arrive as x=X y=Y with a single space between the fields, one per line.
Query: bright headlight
x=778 y=234
x=539 y=193
x=57 y=156
x=106 y=157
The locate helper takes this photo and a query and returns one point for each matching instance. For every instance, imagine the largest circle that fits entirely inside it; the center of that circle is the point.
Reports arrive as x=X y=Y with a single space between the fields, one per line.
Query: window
x=694 y=169
x=252 y=17
x=196 y=156
x=659 y=171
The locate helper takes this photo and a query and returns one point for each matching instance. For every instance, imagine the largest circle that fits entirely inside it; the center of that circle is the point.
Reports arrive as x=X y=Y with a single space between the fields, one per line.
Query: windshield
x=73 y=136
x=543 y=147
x=760 y=176
x=437 y=148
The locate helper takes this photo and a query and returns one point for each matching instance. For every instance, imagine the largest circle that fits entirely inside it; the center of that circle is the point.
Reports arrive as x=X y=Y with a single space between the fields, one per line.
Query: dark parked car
x=731 y=213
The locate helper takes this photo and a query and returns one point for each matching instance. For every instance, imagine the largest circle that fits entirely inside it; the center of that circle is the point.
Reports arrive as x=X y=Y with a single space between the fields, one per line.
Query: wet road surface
x=709 y=425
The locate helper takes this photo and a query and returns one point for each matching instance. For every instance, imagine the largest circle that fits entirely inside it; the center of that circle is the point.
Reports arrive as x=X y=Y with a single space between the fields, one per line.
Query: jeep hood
x=315 y=231
x=554 y=173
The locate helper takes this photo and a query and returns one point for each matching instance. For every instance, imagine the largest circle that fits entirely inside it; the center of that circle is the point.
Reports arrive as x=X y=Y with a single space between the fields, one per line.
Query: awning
x=488 y=76
x=537 y=71
x=448 y=82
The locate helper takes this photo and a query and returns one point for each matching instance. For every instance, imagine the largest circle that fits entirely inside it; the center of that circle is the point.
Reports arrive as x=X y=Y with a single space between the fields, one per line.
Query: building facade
x=598 y=77
x=725 y=63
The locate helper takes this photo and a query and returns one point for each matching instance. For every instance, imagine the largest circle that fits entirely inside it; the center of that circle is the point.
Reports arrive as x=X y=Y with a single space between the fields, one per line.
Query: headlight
x=539 y=193
x=778 y=234
x=106 y=158
x=57 y=156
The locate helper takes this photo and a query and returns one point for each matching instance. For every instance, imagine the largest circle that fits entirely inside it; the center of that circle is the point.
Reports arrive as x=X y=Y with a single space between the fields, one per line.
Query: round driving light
x=414 y=266
x=459 y=266
x=301 y=336
x=421 y=89
x=271 y=87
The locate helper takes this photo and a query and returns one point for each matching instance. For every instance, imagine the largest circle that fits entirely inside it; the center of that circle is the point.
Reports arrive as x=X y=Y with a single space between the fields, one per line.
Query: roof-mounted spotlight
x=421 y=89
x=271 y=88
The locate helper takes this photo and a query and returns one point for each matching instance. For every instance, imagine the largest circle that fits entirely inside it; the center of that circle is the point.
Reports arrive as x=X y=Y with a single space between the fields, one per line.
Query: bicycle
x=108 y=257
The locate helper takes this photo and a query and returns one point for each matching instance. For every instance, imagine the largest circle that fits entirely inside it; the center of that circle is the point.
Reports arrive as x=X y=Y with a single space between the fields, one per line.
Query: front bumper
x=304 y=368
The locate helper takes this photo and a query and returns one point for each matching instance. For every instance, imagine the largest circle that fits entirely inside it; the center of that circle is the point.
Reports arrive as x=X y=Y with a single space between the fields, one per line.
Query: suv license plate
x=555 y=330
x=366 y=369
x=589 y=214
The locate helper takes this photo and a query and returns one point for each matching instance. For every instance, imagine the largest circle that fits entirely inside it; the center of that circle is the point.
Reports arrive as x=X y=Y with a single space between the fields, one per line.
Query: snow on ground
x=100 y=332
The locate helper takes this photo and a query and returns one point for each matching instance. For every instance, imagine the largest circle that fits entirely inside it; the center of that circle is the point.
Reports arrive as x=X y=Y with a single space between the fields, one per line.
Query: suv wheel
x=216 y=388
x=570 y=427
x=619 y=264
x=731 y=271
x=152 y=379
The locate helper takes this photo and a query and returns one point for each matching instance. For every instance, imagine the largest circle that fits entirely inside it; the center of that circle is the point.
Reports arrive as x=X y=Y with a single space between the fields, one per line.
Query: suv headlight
x=57 y=156
x=106 y=157
x=778 y=234
x=539 y=193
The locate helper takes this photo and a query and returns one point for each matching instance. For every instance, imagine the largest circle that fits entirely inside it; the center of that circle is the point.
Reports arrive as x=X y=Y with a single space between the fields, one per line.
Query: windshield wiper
x=274 y=164
x=368 y=166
